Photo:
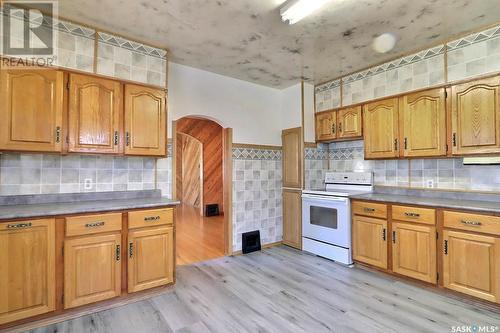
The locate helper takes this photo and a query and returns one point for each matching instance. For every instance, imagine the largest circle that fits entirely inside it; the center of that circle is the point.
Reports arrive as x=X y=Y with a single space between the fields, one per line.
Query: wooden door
x=414 y=251
x=380 y=128
x=326 y=126
x=292 y=218
x=423 y=123
x=369 y=241
x=190 y=182
x=27 y=269
x=145 y=121
x=476 y=117
x=92 y=269
x=150 y=258
x=293 y=157
x=349 y=122
x=31 y=108
x=95 y=115
x=471 y=264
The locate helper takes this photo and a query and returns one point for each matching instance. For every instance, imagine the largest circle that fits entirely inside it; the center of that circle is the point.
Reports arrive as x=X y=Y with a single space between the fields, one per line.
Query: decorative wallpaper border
x=474 y=38
x=328 y=85
x=256 y=154
x=346 y=153
x=316 y=154
x=169 y=149
x=131 y=45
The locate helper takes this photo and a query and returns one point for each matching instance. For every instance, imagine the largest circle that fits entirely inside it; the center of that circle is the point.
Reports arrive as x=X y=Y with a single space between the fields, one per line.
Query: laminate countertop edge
x=27 y=211
x=468 y=205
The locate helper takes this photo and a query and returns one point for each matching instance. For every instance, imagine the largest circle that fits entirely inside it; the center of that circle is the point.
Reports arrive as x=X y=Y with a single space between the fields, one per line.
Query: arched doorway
x=202 y=176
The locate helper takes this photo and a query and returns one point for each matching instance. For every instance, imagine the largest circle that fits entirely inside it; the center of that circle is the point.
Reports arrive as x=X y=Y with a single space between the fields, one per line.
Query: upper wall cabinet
x=381 y=129
x=95 y=109
x=145 y=121
x=423 y=123
x=326 y=126
x=31 y=108
x=476 y=117
x=349 y=122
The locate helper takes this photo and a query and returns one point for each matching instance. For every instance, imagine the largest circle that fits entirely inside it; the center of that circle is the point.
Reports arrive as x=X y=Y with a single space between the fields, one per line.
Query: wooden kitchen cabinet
x=145 y=121
x=380 y=128
x=27 y=269
x=326 y=126
x=349 y=122
x=150 y=258
x=92 y=269
x=414 y=251
x=293 y=157
x=369 y=241
x=423 y=123
x=292 y=218
x=471 y=264
x=95 y=115
x=31 y=109
x=475 y=117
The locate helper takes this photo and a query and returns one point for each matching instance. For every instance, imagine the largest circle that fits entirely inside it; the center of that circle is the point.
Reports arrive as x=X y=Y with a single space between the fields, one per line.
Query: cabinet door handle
x=446 y=247
x=152 y=218
x=118 y=253
x=396 y=145
x=127 y=139
x=130 y=250
x=384 y=237
x=454 y=139
x=416 y=215
x=406 y=143
x=472 y=223
x=394 y=237
x=94 y=225
x=340 y=127
x=369 y=210
x=58 y=134
x=116 y=138
x=333 y=128
x=19 y=225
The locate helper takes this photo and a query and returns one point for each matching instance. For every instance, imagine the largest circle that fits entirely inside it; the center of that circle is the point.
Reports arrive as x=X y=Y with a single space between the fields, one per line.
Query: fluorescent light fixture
x=295 y=10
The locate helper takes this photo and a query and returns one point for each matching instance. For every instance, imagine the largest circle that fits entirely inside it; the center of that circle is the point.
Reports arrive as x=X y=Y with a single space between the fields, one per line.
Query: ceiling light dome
x=384 y=43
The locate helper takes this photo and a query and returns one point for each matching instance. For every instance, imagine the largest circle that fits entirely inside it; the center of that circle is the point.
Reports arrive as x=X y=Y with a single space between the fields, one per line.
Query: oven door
x=326 y=219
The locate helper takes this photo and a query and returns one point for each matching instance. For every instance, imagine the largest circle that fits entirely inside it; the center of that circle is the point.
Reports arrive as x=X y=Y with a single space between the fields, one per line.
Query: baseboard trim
x=265 y=246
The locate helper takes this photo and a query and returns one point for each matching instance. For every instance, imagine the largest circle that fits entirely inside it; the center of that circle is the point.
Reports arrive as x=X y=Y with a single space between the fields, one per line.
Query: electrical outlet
x=87 y=184
x=430 y=183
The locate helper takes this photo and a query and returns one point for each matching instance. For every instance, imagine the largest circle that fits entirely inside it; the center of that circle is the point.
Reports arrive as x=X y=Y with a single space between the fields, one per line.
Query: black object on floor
x=212 y=210
x=250 y=241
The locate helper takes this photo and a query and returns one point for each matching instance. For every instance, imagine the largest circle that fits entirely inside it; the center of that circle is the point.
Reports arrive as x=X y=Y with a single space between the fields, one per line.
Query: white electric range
x=326 y=215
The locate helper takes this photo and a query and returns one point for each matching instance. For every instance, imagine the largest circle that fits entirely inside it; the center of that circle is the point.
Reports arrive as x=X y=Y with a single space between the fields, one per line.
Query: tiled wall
x=328 y=96
x=257 y=194
x=315 y=166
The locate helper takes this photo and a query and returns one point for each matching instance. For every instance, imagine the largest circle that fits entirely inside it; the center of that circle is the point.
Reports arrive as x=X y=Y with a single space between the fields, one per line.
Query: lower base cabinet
x=369 y=241
x=92 y=269
x=292 y=218
x=414 y=251
x=471 y=264
x=150 y=258
x=27 y=269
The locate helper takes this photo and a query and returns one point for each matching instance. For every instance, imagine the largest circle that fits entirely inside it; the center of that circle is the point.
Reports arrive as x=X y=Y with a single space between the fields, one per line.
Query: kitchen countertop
x=452 y=203
x=85 y=205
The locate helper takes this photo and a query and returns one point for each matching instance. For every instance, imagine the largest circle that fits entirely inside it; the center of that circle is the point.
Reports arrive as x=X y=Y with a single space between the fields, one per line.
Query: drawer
x=369 y=209
x=93 y=224
x=150 y=218
x=472 y=222
x=414 y=214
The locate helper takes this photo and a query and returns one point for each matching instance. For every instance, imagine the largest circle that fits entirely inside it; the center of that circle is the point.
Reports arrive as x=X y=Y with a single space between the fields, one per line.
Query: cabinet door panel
x=471 y=264
x=293 y=157
x=380 y=129
x=145 y=121
x=151 y=258
x=476 y=117
x=369 y=238
x=292 y=218
x=414 y=251
x=27 y=269
x=349 y=122
x=94 y=115
x=423 y=123
x=31 y=107
x=92 y=269
x=326 y=126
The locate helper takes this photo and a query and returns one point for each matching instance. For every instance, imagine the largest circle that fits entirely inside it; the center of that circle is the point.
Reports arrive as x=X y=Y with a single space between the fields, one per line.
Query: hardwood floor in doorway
x=198 y=238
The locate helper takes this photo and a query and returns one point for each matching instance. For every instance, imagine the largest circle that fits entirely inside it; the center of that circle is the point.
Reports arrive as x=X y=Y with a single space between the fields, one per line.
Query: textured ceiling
x=246 y=39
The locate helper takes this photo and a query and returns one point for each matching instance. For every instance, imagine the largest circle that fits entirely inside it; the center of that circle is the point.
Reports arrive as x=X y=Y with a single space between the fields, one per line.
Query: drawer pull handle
x=369 y=210
x=152 y=218
x=473 y=223
x=412 y=214
x=118 y=253
x=19 y=225
x=94 y=225
x=130 y=250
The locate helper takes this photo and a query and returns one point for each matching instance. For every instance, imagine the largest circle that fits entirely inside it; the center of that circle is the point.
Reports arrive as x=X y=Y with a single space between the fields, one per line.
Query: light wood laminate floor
x=198 y=238
x=284 y=290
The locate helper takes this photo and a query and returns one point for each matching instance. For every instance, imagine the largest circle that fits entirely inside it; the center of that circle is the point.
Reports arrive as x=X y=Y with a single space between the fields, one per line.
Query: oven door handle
x=308 y=196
